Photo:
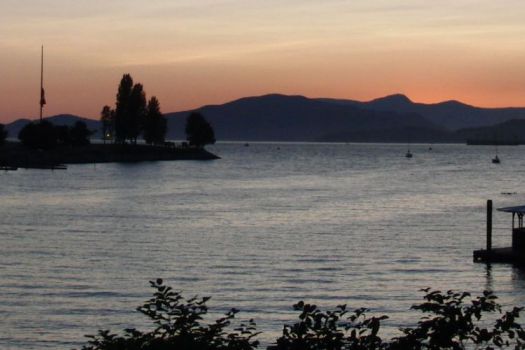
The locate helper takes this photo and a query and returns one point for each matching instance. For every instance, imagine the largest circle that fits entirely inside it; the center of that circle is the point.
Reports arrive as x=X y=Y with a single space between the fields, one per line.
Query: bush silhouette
x=331 y=330
x=178 y=325
x=452 y=321
x=455 y=321
x=39 y=135
x=79 y=134
x=198 y=131
x=45 y=135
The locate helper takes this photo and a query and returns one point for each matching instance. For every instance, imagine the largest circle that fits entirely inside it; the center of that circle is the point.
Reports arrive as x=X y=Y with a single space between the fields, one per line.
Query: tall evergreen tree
x=129 y=119
x=122 y=108
x=136 y=112
x=79 y=134
x=3 y=134
x=107 y=116
x=155 y=124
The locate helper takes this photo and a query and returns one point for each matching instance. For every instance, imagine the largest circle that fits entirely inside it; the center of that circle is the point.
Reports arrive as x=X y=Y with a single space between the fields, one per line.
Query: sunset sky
x=194 y=52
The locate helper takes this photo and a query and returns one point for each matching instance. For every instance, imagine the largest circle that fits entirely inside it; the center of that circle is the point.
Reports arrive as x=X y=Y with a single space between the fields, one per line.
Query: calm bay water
x=260 y=229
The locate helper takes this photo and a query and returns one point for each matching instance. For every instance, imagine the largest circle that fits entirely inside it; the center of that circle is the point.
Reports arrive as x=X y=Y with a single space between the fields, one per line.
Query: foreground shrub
x=178 y=325
x=452 y=321
x=331 y=330
x=455 y=321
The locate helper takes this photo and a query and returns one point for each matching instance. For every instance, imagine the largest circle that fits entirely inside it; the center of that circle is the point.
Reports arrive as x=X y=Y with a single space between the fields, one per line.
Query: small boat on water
x=408 y=154
x=496 y=160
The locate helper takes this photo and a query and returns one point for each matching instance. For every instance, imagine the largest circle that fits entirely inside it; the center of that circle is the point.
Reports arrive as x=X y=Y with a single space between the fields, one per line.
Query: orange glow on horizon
x=191 y=54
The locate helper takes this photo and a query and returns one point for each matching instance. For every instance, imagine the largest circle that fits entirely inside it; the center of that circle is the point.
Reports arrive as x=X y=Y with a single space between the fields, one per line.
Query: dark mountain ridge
x=275 y=117
x=453 y=115
x=295 y=118
x=508 y=132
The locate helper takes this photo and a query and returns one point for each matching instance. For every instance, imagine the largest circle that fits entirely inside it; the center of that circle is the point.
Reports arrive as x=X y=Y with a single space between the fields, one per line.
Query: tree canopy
x=107 y=118
x=133 y=115
x=122 y=108
x=155 y=124
x=198 y=131
x=42 y=135
x=45 y=135
x=3 y=134
x=79 y=134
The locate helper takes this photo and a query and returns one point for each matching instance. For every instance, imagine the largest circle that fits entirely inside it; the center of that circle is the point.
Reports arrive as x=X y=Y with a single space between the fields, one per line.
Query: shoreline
x=14 y=154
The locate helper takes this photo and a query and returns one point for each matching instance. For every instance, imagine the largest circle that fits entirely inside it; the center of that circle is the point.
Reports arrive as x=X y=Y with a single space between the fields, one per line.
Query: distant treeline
x=451 y=320
x=131 y=118
x=45 y=135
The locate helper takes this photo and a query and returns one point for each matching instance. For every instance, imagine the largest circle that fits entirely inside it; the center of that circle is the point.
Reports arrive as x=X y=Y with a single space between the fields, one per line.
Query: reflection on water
x=258 y=230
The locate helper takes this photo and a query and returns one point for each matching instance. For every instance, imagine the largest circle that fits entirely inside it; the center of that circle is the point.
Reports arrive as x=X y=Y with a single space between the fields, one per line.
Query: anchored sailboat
x=408 y=154
x=496 y=159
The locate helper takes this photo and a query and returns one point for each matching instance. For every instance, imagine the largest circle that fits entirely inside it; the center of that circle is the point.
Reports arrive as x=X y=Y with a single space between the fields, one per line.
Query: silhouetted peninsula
x=16 y=155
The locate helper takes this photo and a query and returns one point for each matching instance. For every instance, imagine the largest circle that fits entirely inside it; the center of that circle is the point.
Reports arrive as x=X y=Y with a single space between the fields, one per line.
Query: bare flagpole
x=42 y=96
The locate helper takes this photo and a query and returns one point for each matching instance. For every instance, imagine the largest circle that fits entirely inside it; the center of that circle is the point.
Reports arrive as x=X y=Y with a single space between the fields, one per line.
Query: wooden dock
x=509 y=255
x=499 y=255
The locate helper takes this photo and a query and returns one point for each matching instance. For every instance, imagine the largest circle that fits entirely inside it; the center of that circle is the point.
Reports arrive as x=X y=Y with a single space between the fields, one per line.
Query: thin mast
x=42 y=98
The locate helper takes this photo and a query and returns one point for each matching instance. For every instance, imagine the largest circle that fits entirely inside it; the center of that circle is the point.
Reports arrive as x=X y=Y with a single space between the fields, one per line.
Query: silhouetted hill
x=512 y=131
x=276 y=117
x=297 y=118
x=452 y=115
x=14 y=128
x=61 y=119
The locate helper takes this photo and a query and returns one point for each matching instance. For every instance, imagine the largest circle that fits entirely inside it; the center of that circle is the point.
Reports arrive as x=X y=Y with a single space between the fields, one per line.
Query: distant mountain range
x=393 y=118
x=452 y=115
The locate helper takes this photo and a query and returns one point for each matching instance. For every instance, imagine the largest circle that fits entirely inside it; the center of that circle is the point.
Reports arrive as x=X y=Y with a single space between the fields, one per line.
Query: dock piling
x=489 y=225
x=514 y=254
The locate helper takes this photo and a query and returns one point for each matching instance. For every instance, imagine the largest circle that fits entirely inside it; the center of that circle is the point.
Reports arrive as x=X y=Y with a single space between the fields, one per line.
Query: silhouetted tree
x=79 y=134
x=133 y=116
x=38 y=135
x=3 y=134
x=198 y=131
x=136 y=112
x=63 y=134
x=107 y=116
x=45 y=135
x=155 y=124
x=122 y=108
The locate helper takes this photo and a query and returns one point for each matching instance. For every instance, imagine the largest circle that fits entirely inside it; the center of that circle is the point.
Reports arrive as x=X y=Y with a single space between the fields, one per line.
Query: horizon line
x=291 y=95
